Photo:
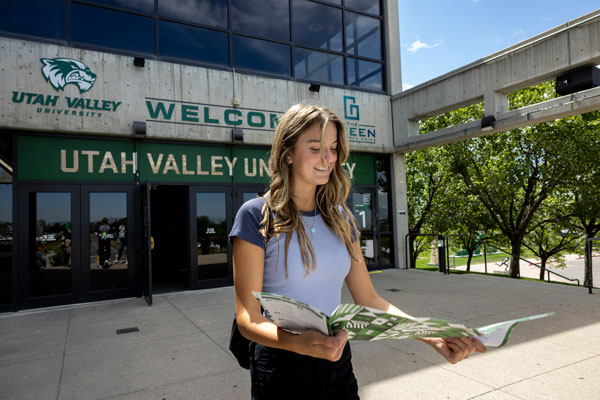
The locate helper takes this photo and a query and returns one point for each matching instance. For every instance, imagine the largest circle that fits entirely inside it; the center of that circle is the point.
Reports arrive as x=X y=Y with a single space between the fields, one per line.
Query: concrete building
x=158 y=116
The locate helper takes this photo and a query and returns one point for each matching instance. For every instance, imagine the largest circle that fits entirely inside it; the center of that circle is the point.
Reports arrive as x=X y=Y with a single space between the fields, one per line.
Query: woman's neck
x=304 y=199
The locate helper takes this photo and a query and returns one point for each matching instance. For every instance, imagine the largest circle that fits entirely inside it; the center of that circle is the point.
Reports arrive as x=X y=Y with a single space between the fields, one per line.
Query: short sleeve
x=350 y=223
x=247 y=223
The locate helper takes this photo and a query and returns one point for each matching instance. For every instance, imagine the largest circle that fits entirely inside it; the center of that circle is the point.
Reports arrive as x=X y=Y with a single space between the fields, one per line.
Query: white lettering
x=63 y=161
x=184 y=166
x=90 y=155
x=214 y=165
x=230 y=164
x=108 y=162
x=155 y=165
x=246 y=171
x=199 y=166
x=264 y=167
x=350 y=169
x=125 y=162
x=171 y=165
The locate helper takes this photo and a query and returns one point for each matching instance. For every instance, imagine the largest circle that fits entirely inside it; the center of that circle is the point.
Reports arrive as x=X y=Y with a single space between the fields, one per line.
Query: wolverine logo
x=63 y=71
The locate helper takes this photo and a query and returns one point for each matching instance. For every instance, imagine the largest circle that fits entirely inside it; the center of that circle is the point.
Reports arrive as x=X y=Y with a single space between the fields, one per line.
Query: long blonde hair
x=329 y=198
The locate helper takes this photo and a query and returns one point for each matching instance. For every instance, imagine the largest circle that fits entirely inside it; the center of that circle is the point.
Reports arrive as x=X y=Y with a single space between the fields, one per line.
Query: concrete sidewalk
x=180 y=351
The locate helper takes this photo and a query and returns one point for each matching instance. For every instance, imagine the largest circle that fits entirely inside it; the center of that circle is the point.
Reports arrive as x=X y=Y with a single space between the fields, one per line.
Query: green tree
x=512 y=173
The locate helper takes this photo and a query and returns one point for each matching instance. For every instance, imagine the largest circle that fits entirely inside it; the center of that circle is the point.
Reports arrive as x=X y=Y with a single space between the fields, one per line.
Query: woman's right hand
x=315 y=344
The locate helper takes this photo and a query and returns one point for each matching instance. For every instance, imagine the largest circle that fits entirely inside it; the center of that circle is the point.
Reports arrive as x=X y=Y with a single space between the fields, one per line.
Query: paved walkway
x=180 y=351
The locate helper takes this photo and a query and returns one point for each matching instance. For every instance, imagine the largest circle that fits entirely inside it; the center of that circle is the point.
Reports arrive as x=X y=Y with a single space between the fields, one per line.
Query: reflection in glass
x=205 y=12
x=382 y=194
x=363 y=35
x=317 y=25
x=188 y=42
x=211 y=243
x=365 y=74
x=385 y=250
x=5 y=279
x=265 y=18
x=145 y=6
x=249 y=196
x=108 y=241
x=49 y=244
x=113 y=29
x=318 y=66
x=370 y=6
x=6 y=226
x=47 y=19
x=362 y=212
x=261 y=55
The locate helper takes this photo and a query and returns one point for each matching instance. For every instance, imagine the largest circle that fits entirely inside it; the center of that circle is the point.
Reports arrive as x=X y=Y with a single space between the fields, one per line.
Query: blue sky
x=438 y=36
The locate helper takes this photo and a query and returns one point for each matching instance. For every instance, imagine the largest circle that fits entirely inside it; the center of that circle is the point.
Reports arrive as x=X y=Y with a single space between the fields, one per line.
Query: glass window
x=317 y=25
x=49 y=244
x=206 y=12
x=145 y=6
x=261 y=55
x=265 y=18
x=363 y=35
x=106 y=28
x=108 y=241
x=46 y=19
x=211 y=243
x=370 y=6
x=365 y=74
x=188 y=42
x=6 y=226
x=318 y=66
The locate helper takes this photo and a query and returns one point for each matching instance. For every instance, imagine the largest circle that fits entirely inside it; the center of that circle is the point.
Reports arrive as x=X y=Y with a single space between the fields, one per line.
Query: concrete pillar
x=392 y=37
x=400 y=208
x=494 y=102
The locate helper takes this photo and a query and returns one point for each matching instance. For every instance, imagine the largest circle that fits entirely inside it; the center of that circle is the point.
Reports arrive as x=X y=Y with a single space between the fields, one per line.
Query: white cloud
x=418 y=45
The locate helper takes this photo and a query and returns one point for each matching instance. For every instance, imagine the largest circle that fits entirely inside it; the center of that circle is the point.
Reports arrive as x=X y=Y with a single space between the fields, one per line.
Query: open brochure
x=364 y=323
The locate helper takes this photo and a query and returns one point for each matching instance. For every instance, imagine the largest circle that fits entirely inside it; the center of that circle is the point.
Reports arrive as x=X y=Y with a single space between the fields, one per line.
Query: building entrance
x=170 y=233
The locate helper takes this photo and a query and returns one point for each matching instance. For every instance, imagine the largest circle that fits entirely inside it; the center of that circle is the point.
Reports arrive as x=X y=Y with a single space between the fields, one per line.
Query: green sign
x=49 y=158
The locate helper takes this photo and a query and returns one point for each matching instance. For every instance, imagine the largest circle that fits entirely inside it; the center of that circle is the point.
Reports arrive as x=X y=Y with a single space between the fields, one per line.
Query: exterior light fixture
x=314 y=87
x=487 y=123
x=139 y=128
x=578 y=80
x=237 y=135
x=139 y=61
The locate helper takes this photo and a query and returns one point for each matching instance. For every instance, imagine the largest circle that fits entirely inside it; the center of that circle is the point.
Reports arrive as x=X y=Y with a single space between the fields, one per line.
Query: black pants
x=104 y=250
x=281 y=374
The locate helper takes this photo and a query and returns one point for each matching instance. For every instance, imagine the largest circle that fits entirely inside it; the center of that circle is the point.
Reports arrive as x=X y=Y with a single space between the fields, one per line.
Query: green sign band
x=49 y=158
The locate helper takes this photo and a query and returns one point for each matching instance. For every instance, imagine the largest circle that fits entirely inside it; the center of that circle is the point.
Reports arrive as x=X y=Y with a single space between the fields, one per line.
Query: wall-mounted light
x=487 y=123
x=314 y=87
x=139 y=128
x=139 y=61
x=237 y=135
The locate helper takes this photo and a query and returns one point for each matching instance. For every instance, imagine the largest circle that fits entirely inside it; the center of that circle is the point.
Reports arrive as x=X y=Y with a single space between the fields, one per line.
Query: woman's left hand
x=455 y=349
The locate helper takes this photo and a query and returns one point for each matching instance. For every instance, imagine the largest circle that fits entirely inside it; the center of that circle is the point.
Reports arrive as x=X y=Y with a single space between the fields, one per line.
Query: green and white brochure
x=364 y=323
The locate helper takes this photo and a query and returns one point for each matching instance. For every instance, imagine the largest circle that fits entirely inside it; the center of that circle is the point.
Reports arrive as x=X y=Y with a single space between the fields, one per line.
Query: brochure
x=364 y=323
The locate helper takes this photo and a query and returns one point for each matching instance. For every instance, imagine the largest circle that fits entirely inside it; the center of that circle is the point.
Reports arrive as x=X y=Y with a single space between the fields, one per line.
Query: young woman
x=300 y=241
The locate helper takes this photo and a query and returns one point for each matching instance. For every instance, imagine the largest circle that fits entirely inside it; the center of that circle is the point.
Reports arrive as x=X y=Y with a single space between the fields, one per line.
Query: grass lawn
x=423 y=260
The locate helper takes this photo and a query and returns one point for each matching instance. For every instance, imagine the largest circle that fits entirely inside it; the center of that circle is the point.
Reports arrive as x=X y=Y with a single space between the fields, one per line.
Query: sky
x=439 y=36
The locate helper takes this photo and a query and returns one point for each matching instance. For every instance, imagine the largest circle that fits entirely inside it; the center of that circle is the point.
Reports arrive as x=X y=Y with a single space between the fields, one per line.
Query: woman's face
x=307 y=167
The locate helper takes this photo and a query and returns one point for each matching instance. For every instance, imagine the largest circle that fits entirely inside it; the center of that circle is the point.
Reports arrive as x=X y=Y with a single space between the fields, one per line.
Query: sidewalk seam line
x=62 y=366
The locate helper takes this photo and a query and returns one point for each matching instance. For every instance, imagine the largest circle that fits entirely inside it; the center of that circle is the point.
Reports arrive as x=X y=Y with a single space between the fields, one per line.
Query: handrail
x=530 y=262
x=588 y=251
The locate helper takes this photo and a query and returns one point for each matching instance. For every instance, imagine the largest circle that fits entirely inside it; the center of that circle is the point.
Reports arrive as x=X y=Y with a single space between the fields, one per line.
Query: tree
x=549 y=238
x=584 y=185
x=425 y=178
x=512 y=173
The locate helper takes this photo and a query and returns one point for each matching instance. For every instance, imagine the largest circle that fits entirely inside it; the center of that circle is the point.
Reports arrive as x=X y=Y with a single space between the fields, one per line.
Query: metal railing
x=444 y=258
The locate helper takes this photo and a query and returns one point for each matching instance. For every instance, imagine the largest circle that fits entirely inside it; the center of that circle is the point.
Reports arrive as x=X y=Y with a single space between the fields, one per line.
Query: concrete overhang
x=569 y=46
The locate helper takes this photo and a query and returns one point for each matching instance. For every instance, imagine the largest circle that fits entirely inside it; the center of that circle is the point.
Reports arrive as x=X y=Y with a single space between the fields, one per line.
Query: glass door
x=147 y=243
x=210 y=223
x=49 y=245
x=108 y=253
x=364 y=209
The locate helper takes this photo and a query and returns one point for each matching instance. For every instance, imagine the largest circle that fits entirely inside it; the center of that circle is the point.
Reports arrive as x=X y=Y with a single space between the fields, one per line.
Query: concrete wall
x=124 y=90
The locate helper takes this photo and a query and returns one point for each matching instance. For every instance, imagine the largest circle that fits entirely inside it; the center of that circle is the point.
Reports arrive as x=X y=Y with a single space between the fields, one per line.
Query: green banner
x=65 y=159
